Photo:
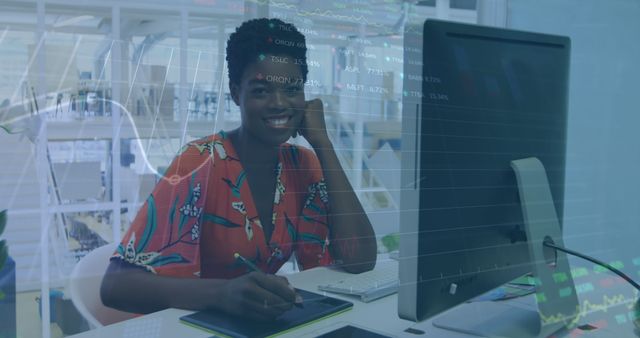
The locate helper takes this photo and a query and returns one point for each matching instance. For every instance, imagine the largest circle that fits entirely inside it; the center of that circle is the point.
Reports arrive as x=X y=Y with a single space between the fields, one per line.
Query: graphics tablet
x=316 y=307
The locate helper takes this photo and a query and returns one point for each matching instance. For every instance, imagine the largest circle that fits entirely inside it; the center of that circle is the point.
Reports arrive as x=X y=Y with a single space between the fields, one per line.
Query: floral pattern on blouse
x=202 y=212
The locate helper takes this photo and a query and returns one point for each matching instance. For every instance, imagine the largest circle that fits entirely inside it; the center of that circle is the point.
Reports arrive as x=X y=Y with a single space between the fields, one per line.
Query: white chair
x=84 y=286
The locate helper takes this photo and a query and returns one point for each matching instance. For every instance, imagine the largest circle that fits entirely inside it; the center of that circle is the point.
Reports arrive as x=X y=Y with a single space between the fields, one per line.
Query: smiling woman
x=245 y=193
x=271 y=100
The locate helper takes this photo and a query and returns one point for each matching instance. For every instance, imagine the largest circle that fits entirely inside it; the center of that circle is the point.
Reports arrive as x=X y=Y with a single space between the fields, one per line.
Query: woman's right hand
x=258 y=296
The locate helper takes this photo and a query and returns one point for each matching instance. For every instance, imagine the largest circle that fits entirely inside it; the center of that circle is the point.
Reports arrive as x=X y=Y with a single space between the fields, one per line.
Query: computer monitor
x=475 y=99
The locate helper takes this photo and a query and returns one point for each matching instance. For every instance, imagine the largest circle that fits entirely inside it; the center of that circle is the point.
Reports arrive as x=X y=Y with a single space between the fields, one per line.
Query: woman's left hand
x=313 y=126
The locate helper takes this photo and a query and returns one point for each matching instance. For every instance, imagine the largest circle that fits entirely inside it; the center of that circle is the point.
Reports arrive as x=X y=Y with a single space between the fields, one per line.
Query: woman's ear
x=235 y=93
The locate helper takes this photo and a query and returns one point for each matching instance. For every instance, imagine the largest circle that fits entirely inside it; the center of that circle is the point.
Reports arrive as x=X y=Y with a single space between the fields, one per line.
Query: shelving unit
x=101 y=130
x=113 y=128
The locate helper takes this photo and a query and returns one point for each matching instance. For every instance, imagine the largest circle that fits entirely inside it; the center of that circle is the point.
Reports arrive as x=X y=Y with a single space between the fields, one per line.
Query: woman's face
x=271 y=99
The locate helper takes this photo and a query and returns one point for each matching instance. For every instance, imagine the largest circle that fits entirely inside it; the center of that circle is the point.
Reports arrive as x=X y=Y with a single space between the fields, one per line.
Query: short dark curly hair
x=260 y=37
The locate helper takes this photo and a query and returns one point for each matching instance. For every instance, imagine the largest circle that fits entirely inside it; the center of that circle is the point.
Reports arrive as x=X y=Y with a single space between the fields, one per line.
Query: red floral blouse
x=202 y=212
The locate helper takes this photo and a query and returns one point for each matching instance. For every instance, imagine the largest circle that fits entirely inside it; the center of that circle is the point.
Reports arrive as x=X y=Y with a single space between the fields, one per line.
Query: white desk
x=380 y=316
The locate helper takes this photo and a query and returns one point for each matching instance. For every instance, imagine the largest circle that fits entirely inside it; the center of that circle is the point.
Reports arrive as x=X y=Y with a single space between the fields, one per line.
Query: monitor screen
x=476 y=98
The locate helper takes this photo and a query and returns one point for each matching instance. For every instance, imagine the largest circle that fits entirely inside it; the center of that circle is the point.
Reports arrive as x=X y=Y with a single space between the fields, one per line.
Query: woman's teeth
x=279 y=122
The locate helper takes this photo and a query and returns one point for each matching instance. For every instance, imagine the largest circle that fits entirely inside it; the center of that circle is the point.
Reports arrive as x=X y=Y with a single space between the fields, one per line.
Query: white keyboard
x=370 y=285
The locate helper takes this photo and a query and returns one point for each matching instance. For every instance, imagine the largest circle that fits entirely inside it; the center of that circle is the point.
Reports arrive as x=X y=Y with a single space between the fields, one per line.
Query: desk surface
x=380 y=316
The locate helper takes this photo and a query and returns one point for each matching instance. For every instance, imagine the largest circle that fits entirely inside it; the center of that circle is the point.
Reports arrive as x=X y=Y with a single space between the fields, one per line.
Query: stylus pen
x=253 y=267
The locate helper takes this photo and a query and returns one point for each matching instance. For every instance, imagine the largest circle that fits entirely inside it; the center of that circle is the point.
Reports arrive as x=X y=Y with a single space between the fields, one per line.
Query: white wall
x=602 y=211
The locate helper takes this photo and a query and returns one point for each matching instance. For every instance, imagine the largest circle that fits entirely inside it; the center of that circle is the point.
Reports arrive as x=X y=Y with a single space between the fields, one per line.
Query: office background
x=601 y=210
x=134 y=80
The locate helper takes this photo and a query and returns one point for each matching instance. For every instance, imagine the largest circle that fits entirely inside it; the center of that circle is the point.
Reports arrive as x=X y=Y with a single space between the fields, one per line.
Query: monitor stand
x=555 y=305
